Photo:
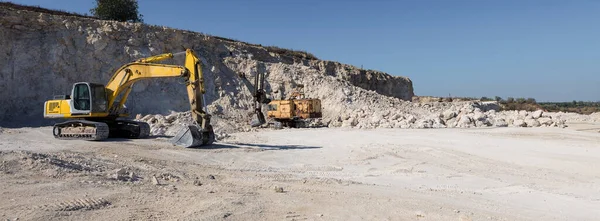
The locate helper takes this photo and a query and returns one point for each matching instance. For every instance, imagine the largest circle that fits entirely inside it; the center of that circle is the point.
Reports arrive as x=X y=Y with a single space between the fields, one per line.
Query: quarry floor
x=325 y=174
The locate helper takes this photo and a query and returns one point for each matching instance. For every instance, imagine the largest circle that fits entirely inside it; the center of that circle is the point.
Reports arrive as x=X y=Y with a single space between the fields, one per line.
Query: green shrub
x=118 y=10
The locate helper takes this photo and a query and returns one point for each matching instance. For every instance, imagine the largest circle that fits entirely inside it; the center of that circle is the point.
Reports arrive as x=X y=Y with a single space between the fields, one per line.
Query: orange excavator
x=288 y=112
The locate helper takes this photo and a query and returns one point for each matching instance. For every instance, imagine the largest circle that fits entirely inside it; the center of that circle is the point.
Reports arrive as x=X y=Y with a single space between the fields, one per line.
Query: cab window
x=272 y=107
x=81 y=97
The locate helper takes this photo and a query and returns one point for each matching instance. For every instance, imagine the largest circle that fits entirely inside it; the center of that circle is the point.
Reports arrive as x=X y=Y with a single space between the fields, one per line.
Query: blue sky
x=545 y=49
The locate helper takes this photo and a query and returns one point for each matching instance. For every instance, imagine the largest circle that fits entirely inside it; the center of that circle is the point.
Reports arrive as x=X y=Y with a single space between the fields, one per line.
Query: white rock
x=547 y=121
x=350 y=122
x=479 y=116
x=532 y=123
x=537 y=114
x=500 y=123
x=375 y=119
x=464 y=121
x=449 y=114
x=519 y=123
x=411 y=119
x=523 y=113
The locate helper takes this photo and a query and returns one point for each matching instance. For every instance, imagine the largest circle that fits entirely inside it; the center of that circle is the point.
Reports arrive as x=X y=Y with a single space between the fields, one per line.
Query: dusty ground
x=325 y=174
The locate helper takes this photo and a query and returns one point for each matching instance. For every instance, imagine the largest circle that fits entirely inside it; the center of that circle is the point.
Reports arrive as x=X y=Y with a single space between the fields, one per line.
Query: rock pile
x=411 y=115
x=447 y=115
x=169 y=125
x=346 y=105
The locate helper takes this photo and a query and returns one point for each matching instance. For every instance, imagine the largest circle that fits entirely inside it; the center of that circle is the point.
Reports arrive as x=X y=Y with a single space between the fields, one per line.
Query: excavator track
x=81 y=130
x=129 y=129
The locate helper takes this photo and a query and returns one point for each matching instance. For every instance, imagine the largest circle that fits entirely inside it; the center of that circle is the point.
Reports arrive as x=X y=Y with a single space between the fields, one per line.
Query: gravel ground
x=505 y=173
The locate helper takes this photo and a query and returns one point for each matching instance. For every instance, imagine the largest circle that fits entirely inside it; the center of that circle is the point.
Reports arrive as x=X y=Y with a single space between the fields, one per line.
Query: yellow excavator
x=97 y=112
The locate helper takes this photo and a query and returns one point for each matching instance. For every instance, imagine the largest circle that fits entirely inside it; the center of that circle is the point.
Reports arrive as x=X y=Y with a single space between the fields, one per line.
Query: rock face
x=44 y=54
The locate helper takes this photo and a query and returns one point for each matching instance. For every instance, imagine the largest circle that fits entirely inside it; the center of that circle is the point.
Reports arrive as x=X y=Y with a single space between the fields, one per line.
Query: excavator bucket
x=193 y=136
x=257 y=119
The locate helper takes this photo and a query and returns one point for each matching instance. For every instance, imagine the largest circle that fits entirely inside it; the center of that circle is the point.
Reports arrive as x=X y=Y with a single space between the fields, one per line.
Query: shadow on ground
x=257 y=146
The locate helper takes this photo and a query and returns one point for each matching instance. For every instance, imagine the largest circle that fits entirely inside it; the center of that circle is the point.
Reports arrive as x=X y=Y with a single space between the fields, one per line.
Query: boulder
x=545 y=121
x=500 y=122
x=519 y=123
x=449 y=114
x=411 y=119
x=532 y=123
x=465 y=121
x=537 y=114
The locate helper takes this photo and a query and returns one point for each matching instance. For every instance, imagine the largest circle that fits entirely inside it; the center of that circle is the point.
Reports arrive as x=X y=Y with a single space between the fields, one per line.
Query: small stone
x=197 y=183
x=278 y=189
x=464 y=218
x=121 y=171
x=155 y=181
x=419 y=214
x=211 y=177
x=457 y=211
x=121 y=174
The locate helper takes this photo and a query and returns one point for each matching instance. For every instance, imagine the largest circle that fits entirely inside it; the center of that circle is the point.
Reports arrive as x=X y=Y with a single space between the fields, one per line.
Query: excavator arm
x=121 y=84
x=260 y=97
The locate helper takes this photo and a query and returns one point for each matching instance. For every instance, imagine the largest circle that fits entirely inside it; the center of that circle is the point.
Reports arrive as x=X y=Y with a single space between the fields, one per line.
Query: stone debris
x=123 y=175
x=169 y=177
x=278 y=189
x=375 y=113
x=155 y=181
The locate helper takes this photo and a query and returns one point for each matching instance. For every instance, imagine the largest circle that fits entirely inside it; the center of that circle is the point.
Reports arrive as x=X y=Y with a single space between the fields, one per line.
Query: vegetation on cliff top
x=118 y=10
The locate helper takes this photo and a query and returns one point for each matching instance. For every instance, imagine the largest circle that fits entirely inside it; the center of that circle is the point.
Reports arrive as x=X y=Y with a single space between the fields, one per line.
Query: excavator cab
x=88 y=98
